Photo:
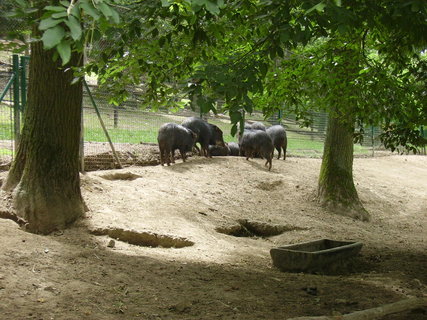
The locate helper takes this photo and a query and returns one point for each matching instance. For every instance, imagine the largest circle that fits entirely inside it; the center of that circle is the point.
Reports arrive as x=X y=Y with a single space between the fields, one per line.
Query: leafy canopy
x=361 y=57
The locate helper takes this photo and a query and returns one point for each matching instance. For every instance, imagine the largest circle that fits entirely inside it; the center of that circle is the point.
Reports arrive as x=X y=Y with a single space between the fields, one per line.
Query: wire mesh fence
x=6 y=110
x=133 y=131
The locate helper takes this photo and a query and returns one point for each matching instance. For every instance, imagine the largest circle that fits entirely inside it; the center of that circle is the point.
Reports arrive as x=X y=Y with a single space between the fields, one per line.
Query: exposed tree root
x=355 y=211
x=12 y=216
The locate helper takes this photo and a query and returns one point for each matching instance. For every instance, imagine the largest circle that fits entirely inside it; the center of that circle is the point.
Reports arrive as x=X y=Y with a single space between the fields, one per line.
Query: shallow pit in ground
x=145 y=239
x=246 y=228
x=269 y=185
x=120 y=176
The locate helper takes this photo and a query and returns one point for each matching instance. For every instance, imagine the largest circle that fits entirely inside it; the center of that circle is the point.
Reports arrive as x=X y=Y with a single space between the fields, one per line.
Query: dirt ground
x=186 y=264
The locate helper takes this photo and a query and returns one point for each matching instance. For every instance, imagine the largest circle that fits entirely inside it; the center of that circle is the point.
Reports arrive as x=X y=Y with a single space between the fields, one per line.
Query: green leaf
x=105 y=9
x=248 y=106
x=235 y=116
x=75 y=11
x=59 y=15
x=30 y=11
x=89 y=9
x=55 y=8
x=199 y=2
x=280 y=52
x=364 y=70
x=284 y=35
x=415 y=7
x=75 y=27
x=342 y=28
x=263 y=68
x=55 y=56
x=52 y=37
x=49 y=23
x=272 y=52
x=21 y=3
x=64 y=50
x=318 y=7
x=212 y=7
x=115 y=16
x=234 y=130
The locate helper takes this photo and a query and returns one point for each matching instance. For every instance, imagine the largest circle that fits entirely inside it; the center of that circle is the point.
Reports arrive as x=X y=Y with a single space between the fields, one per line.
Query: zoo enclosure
x=133 y=131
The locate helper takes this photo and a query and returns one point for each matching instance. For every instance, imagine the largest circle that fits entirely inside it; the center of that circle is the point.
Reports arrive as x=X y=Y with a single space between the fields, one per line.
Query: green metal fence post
x=16 y=106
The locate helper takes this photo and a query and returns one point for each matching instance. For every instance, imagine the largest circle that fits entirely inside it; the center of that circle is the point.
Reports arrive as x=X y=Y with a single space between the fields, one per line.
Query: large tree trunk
x=336 y=189
x=45 y=174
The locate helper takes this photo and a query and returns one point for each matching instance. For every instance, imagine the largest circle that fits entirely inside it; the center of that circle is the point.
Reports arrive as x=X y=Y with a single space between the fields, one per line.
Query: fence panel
x=6 y=110
x=133 y=131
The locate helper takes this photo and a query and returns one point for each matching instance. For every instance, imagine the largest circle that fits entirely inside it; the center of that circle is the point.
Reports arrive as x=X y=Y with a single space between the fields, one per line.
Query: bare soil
x=174 y=258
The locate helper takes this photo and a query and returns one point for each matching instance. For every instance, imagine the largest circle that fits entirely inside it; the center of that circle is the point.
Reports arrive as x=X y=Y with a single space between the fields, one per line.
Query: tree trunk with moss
x=44 y=177
x=336 y=189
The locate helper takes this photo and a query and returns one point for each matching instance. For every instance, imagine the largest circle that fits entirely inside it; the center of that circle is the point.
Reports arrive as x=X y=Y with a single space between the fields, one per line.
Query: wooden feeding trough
x=322 y=256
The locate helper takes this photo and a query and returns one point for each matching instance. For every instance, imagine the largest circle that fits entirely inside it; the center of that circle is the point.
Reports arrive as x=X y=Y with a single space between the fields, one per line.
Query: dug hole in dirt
x=192 y=241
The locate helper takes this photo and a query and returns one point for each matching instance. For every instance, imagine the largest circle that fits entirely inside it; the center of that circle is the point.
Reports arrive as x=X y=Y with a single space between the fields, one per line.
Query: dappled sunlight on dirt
x=185 y=261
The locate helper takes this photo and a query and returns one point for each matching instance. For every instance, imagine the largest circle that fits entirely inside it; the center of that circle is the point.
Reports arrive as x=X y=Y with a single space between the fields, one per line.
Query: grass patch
x=301 y=142
x=136 y=126
x=5 y=131
x=142 y=126
x=6 y=152
x=6 y=124
x=120 y=135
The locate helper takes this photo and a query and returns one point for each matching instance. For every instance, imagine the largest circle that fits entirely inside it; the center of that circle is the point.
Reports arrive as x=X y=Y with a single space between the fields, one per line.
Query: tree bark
x=336 y=189
x=45 y=174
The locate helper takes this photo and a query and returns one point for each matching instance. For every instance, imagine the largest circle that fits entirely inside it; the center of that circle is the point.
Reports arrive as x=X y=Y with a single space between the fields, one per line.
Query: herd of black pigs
x=255 y=141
